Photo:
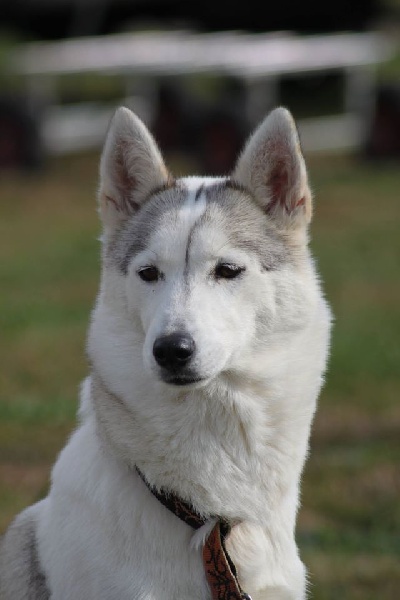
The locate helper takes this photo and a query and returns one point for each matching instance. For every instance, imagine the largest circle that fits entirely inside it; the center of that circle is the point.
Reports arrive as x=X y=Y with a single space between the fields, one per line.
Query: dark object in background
x=68 y=18
x=224 y=129
x=384 y=137
x=221 y=141
x=213 y=132
x=172 y=112
x=20 y=142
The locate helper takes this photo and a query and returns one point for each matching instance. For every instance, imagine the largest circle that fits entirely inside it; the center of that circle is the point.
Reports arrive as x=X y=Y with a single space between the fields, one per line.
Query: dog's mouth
x=181 y=381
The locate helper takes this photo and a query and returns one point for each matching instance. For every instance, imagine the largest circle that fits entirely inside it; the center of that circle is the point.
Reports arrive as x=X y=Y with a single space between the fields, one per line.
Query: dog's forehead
x=232 y=216
x=197 y=208
x=179 y=214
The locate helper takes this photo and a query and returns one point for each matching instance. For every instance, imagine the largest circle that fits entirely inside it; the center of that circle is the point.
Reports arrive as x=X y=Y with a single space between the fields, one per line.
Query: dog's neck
x=216 y=458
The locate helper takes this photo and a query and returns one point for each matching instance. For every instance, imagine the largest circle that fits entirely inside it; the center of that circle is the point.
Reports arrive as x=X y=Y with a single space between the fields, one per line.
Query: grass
x=49 y=276
x=351 y=512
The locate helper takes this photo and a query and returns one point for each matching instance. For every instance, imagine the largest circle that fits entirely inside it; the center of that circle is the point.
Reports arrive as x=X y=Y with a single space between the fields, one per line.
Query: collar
x=219 y=568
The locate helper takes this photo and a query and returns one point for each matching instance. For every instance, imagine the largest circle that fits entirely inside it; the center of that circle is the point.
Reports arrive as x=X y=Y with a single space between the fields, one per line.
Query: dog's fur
x=228 y=431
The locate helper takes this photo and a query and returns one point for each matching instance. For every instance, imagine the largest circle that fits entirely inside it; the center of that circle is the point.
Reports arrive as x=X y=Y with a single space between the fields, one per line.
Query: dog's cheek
x=141 y=301
x=295 y=302
x=113 y=292
x=223 y=323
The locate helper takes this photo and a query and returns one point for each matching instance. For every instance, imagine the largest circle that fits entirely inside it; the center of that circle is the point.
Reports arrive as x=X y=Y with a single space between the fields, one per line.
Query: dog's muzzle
x=173 y=353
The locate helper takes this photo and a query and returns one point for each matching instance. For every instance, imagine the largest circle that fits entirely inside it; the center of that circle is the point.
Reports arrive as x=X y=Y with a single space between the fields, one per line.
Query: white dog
x=207 y=348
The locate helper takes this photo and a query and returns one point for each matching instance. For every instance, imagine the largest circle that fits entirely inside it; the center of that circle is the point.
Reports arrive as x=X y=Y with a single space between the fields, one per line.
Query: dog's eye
x=149 y=274
x=227 y=271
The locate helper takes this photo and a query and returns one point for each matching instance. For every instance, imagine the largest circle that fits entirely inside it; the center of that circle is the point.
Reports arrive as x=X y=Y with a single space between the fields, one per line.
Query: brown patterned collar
x=218 y=566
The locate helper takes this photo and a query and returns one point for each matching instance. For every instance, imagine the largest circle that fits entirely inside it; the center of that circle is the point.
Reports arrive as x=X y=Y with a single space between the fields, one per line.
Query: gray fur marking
x=228 y=203
x=134 y=235
x=199 y=192
x=21 y=575
x=246 y=224
x=37 y=580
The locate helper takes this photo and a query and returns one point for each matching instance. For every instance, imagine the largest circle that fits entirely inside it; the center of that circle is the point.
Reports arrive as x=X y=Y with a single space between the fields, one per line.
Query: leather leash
x=220 y=571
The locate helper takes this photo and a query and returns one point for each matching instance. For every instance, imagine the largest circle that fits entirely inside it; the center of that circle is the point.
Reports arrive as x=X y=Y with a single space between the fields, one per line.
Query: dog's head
x=201 y=276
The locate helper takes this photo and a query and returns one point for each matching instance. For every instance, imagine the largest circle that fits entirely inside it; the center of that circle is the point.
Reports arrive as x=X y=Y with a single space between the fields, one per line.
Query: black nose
x=173 y=351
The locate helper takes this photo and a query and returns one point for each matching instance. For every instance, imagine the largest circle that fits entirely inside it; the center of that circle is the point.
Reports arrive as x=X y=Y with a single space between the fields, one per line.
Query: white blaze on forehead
x=194 y=183
x=195 y=204
x=173 y=235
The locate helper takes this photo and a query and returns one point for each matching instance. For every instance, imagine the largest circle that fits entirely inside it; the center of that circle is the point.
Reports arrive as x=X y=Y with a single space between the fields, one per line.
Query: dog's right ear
x=131 y=166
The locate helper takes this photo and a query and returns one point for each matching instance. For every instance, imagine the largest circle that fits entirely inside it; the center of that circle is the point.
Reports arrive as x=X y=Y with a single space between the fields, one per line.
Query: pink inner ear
x=113 y=202
x=124 y=182
x=300 y=202
x=123 y=205
x=278 y=183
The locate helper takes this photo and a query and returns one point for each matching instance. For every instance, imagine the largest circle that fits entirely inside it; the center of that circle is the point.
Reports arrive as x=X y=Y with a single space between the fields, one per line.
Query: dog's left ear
x=131 y=166
x=272 y=167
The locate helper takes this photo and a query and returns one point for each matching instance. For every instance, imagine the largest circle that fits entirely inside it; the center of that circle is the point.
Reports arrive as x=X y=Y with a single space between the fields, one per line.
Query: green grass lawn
x=350 y=520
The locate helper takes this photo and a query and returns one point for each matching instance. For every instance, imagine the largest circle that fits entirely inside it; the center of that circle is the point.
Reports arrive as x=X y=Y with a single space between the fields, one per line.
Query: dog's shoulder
x=21 y=575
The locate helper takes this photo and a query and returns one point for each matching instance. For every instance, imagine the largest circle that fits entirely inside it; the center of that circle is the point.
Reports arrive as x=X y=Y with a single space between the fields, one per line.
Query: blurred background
x=201 y=78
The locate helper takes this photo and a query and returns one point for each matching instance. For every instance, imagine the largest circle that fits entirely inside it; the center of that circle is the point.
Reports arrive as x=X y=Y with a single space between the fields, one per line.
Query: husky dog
x=207 y=348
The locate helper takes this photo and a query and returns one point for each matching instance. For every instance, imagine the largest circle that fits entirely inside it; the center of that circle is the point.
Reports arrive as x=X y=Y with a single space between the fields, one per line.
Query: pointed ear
x=272 y=167
x=131 y=166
